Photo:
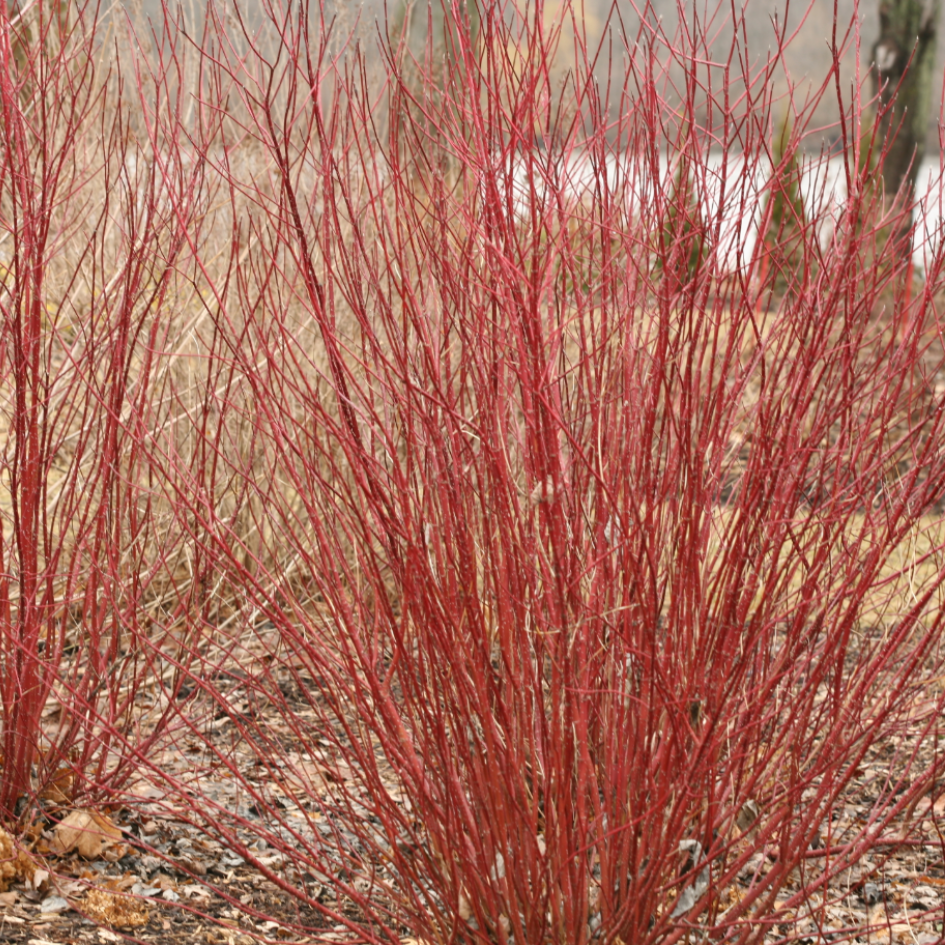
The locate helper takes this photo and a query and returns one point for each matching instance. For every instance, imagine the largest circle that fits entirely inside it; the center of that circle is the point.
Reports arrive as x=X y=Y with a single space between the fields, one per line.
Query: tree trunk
x=903 y=63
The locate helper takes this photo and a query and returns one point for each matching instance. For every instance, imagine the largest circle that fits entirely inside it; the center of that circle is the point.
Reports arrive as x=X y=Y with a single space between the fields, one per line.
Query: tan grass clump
x=119 y=912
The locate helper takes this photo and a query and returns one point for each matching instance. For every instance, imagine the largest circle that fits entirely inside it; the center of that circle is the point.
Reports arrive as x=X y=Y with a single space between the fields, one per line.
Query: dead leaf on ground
x=60 y=788
x=15 y=864
x=87 y=832
x=7 y=860
x=747 y=816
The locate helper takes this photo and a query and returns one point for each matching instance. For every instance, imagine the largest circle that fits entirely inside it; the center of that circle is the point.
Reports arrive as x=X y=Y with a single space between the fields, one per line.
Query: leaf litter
x=146 y=869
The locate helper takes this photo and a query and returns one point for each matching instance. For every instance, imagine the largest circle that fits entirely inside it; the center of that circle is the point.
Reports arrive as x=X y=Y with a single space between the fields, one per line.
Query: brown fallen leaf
x=465 y=907
x=15 y=864
x=60 y=788
x=747 y=816
x=7 y=861
x=86 y=831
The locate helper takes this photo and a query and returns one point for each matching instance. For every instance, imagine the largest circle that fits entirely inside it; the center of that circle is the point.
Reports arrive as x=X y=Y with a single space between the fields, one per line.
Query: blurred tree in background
x=903 y=69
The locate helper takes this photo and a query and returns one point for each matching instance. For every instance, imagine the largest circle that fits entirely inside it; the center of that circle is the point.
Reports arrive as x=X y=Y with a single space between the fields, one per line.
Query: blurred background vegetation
x=808 y=59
